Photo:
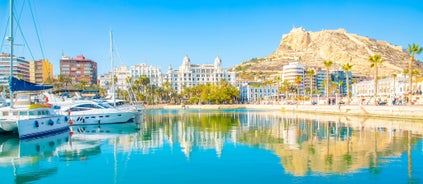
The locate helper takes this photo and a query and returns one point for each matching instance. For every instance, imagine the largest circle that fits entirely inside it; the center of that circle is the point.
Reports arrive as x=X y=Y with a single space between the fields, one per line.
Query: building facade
x=20 y=68
x=340 y=78
x=387 y=87
x=40 y=71
x=291 y=72
x=255 y=92
x=190 y=75
x=153 y=73
x=78 y=69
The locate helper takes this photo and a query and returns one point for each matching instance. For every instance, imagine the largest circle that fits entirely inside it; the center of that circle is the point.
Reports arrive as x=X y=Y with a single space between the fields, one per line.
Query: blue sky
x=162 y=32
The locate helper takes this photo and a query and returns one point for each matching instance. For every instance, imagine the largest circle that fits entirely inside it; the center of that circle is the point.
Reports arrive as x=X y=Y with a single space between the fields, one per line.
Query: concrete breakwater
x=406 y=112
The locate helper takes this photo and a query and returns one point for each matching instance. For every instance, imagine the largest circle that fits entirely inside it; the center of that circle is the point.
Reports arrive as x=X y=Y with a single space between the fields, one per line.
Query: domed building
x=194 y=74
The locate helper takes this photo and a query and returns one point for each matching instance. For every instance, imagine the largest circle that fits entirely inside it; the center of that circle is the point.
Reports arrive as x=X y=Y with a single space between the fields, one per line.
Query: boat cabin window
x=5 y=113
x=15 y=113
x=104 y=106
x=23 y=113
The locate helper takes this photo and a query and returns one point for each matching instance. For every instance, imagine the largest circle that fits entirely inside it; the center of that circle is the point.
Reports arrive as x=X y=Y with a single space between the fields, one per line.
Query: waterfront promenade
x=383 y=111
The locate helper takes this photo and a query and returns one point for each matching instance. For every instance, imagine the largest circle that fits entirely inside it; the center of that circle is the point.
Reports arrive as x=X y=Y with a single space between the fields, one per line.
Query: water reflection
x=86 y=140
x=26 y=157
x=307 y=144
x=165 y=142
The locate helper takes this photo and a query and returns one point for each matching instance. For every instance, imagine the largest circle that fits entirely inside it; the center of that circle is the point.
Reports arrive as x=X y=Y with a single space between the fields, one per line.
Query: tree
x=284 y=88
x=412 y=50
x=375 y=61
x=328 y=64
x=298 y=81
x=347 y=68
x=415 y=73
x=83 y=84
x=310 y=73
x=64 y=79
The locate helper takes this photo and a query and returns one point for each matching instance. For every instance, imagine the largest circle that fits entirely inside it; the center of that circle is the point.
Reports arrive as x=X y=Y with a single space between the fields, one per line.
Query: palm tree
x=347 y=68
x=284 y=88
x=328 y=64
x=310 y=73
x=415 y=73
x=375 y=61
x=412 y=50
x=394 y=75
x=278 y=81
x=298 y=81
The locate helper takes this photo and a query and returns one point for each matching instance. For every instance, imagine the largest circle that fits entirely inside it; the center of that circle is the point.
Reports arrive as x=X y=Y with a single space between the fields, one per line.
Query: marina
x=227 y=146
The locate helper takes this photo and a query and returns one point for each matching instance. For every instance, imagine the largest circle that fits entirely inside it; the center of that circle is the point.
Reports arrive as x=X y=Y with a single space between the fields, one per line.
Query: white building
x=152 y=72
x=252 y=92
x=192 y=74
x=386 y=87
x=291 y=72
x=20 y=68
x=121 y=73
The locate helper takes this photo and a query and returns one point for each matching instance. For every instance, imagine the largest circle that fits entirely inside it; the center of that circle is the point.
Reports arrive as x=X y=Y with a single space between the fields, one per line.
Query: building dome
x=217 y=62
x=186 y=61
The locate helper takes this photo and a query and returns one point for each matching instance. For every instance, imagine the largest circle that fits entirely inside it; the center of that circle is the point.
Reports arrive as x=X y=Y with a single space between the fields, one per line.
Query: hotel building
x=20 y=68
x=78 y=69
x=190 y=75
x=152 y=72
x=291 y=71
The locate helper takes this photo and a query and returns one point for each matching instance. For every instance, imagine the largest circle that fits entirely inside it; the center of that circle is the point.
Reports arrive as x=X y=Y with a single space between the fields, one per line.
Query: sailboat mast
x=113 y=72
x=11 y=53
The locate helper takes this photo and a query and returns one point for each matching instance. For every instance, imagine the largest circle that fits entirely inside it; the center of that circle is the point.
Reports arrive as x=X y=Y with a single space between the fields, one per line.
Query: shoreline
x=384 y=111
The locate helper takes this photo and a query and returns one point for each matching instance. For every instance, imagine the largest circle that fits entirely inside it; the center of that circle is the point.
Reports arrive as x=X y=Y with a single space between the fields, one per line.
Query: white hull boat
x=88 y=112
x=32 y=121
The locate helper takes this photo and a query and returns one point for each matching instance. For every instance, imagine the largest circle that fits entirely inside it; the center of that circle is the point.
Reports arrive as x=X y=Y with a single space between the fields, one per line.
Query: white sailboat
x=27 y=117
x=119 y=103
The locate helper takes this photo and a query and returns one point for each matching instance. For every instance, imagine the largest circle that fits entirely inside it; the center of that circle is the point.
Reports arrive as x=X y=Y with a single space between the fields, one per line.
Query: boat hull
x=8 y=125
x=30 y=128
x=102 y=118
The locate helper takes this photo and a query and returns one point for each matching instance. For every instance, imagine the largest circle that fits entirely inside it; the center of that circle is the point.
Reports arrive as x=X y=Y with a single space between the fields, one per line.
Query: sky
x=162 y=32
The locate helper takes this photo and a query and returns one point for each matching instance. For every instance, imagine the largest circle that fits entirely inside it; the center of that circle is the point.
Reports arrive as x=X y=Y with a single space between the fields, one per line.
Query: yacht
x=27 y=116
x=90 y=112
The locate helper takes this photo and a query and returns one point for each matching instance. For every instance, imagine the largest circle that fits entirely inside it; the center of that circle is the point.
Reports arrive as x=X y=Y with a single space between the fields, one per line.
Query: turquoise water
x=226 y=146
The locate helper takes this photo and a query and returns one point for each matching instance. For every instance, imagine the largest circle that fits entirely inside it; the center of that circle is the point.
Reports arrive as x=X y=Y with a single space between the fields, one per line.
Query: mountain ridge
x=312 y=48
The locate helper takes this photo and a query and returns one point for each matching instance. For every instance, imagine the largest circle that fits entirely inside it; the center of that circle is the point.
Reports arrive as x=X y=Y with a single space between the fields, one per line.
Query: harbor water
x=222 y=146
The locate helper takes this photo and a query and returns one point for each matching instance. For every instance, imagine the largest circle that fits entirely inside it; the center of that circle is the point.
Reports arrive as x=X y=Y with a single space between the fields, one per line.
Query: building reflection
x=307 y=144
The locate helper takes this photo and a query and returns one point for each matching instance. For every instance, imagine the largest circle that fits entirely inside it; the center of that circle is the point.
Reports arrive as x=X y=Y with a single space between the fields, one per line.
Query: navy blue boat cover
x=16 y=84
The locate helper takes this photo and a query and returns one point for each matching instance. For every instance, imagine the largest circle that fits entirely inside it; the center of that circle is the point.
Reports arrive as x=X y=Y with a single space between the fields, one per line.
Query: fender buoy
x=70 y=122
x=36 y=124
x=50 y=122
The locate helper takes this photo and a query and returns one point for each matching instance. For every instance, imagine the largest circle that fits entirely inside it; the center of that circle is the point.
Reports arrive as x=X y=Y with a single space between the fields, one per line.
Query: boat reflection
x=86 y=140
x=27 y=157
x=306 y=144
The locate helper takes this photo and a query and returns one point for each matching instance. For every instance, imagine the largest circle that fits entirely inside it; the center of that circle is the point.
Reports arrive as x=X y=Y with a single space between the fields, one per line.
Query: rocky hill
x=312 y=48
